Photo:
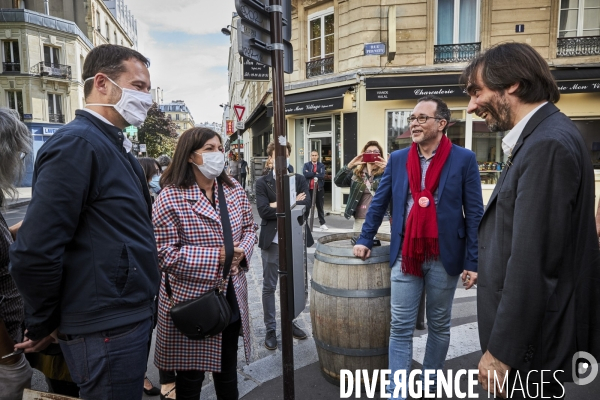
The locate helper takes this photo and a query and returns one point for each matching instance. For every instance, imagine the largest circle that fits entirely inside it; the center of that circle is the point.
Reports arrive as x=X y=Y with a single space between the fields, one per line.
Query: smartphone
x=370 y=157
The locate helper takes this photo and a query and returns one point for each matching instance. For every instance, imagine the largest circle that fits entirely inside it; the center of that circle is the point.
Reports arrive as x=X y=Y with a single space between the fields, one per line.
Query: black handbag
x=209 y=314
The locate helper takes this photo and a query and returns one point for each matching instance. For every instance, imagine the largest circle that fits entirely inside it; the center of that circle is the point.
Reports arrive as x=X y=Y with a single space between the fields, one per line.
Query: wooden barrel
x=350 y=306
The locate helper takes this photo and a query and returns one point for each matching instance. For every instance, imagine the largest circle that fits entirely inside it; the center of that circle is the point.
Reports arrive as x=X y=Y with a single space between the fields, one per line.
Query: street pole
x=287 y=349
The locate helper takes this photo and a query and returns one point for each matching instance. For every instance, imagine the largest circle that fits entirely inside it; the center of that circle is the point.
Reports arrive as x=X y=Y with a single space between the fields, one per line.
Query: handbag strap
x=228 y=241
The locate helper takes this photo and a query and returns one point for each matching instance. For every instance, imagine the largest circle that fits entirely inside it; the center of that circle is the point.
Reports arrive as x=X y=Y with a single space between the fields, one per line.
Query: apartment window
x=115 y=37
x=10 y=56
x=55 y=113
x=98 y=20
x=51 y=57
x=177 y=117
x=15 y=101
x=457 y=31
x=579 y=18
x=321 y=30
x=107 y=32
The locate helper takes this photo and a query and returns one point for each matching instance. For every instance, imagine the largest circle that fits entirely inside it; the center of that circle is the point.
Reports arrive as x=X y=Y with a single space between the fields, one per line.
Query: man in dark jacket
x=266 y=203
x=85 y=259
x=537 y=301
x=314 y=172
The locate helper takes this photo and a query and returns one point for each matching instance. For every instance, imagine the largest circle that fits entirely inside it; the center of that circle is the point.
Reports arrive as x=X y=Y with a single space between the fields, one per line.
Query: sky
x=187 y=51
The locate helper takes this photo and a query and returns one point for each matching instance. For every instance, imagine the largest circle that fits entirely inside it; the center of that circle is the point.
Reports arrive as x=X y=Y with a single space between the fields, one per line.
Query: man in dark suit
x=436 y=189
x=314 y=172
x=537 y=301
x=266 y=203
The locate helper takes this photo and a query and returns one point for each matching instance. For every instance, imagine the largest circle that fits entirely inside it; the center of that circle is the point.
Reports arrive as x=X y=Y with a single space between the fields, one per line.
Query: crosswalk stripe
x=464 y=339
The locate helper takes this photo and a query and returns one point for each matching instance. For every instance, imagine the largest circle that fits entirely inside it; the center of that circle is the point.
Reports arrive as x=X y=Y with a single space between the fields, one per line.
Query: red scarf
x=421 y=233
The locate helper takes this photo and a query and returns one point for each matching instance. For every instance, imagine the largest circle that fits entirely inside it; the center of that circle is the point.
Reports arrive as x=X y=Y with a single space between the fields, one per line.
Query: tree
x=158 y=133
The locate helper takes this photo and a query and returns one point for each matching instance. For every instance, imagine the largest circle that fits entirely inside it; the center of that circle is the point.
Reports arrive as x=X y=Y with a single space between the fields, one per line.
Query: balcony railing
x=319 y=67
x=455 y=53
x=578 y=46
x=52 y=69
x=11 y=67
x=58 y=118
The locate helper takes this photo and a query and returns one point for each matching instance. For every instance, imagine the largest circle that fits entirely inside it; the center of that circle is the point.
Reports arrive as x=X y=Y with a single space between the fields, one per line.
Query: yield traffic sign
x=239 y=111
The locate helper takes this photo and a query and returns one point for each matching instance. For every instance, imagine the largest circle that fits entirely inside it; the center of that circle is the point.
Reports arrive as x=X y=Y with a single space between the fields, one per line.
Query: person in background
x=243 y=171
x=363 y=179
x=85 y=259
x=314 y=172
x=268 y=242
x=436 y=192
x=189 y=234
x=268 y=168
x=154 y=183
x=15 y=371
x=233 y=169
x=164 y=161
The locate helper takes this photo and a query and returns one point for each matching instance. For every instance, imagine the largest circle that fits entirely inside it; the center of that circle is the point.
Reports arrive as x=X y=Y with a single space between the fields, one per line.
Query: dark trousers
x=319 y=202
x=243 y=180
x=110 y=364
x=189 y=383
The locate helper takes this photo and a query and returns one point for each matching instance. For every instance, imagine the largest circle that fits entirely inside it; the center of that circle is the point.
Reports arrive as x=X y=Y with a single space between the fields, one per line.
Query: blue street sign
x=374 y=49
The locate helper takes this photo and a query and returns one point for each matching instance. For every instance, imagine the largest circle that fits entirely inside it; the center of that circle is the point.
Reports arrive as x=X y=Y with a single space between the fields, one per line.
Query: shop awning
x=569 y=80
x=316 y=101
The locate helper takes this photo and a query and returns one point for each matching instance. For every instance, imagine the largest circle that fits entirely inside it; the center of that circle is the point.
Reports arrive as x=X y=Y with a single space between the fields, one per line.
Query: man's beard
x=500 y=113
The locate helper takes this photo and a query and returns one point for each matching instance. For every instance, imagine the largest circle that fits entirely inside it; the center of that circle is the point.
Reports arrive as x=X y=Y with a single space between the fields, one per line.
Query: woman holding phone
x=362 y=175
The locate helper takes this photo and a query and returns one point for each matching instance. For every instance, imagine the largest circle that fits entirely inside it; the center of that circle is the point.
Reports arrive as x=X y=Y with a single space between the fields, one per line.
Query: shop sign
x=237 y=146
x=229 y=124
x=255 y=71
x=579 y=87
x=27 y=116
x=143 y=147
x=315 y=106
x=374 y=49
x=50 y=131
x=414 y=92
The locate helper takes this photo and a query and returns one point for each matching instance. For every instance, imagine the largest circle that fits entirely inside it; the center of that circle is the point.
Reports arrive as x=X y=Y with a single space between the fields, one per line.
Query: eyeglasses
x=421 y=119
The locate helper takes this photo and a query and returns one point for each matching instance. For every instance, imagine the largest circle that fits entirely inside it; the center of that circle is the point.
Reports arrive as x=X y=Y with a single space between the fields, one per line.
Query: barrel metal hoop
x=351 y=261
x=380 y=351
x=350 y=293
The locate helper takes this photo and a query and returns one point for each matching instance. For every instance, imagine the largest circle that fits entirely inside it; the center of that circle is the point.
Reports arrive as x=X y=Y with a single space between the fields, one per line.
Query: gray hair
x=15 y=140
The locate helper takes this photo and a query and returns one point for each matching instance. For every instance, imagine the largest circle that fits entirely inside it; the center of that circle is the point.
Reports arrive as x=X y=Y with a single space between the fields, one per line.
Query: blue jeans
x=405 y=298
x=109 y=365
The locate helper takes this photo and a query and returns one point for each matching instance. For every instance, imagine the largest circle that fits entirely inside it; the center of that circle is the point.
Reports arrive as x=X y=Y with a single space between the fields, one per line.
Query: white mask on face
x=133 y=105
x=212 y=165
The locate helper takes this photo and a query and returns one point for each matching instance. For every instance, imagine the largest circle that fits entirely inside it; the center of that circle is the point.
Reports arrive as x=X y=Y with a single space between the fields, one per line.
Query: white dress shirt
x=510 y=140
x=126 y=142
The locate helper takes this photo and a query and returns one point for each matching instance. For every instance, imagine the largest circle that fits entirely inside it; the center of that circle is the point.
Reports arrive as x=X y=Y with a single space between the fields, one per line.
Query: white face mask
x=133 y=105
x=212 y=165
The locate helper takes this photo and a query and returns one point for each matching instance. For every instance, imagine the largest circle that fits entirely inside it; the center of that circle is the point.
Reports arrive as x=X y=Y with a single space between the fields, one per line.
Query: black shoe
x=298 y=333
x=271 y=340
x=151 y=392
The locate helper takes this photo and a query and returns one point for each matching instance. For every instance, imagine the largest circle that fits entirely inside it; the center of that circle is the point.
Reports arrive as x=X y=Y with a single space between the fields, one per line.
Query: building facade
x=179 y=114
x=43 y=51
x=360 y=66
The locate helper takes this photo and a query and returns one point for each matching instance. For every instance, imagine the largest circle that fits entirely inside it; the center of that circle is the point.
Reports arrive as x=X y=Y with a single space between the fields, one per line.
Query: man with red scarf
x=437 y=189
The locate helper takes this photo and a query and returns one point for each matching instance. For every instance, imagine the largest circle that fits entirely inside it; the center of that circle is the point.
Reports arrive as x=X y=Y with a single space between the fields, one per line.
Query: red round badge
x=424 y=202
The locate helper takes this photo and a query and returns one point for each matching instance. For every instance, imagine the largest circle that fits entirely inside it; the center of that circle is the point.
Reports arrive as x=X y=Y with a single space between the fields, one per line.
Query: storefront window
x=398 y=133
x=457 y=127
x=488 y=151
x=338 y=143
x=590 y=131
x=299 y=147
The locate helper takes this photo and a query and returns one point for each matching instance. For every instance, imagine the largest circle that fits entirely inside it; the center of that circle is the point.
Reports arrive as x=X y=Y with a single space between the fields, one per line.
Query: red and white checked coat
x=189 y=237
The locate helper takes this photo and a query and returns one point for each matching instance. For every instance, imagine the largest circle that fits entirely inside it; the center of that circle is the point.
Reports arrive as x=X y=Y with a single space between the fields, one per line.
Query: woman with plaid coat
x=189 y=235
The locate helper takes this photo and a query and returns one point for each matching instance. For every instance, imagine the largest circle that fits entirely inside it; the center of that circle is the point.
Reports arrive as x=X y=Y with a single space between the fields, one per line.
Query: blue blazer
x=459 y=191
